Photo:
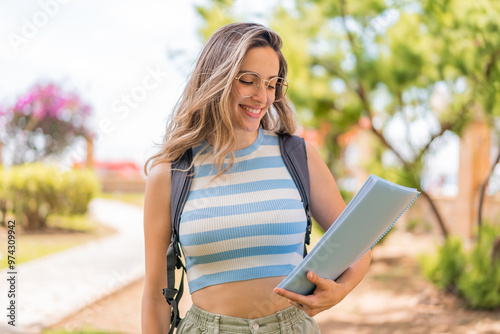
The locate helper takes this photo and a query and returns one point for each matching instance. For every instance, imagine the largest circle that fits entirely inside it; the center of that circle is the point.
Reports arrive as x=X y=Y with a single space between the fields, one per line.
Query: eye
x=249 y=79
x=248 y=83
x=273 y=84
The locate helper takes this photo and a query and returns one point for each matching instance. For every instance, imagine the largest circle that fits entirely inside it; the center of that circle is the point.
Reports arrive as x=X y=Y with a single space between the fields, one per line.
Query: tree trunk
x=35 y=221
x=495 y=251
x=483 y=190
x=434 y=208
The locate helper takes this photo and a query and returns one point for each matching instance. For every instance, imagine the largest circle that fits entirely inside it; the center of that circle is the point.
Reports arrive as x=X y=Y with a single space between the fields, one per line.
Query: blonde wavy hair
x=203 y=110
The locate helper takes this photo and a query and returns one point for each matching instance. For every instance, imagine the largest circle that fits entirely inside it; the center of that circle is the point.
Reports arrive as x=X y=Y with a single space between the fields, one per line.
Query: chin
x=247 y=129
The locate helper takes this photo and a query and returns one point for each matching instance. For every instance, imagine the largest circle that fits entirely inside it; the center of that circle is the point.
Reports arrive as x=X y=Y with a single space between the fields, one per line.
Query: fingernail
x=310 y=274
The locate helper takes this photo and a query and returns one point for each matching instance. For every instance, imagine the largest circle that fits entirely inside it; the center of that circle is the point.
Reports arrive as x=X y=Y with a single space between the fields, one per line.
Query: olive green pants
x=288 y=321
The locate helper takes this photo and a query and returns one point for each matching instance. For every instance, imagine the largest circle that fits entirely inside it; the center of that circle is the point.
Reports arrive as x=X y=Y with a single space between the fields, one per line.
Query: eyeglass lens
x=249 y=84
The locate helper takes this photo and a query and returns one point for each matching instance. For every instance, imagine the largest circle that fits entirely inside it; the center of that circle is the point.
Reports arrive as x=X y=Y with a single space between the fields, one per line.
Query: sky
x=114 y=54
x=128 y=59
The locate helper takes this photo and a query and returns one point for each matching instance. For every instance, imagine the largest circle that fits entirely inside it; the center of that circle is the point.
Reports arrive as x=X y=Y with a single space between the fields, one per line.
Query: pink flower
x=49 y=101
x=38 y=110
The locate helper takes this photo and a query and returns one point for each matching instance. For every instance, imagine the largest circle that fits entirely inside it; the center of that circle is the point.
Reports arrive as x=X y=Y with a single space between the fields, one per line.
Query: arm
x=326 y=206
x=155 y=313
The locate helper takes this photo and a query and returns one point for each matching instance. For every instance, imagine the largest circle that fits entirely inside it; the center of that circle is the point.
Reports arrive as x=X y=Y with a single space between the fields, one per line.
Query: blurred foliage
x=474 y=275
x=445 y=268
x=78 y=187
x=43 y=123
x=215 y=16
x=480 y=282
x=3 y=197
x=400 y=64
x=36 y=190
x=417 y=226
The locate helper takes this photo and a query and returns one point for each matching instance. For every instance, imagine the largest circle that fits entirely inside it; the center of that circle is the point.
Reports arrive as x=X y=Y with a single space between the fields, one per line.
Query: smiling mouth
x=251 y=110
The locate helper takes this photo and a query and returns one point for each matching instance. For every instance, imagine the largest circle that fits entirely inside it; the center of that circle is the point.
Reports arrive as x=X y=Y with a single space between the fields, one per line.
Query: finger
x=313 y=278
x=292 y=296
x=321 y=283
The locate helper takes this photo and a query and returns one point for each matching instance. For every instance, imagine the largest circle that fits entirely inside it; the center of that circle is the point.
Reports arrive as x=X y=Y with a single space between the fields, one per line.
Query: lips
x=251 y=111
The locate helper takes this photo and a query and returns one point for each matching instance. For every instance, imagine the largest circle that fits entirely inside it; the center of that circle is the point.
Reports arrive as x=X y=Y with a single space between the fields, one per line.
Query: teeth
x=253 y=111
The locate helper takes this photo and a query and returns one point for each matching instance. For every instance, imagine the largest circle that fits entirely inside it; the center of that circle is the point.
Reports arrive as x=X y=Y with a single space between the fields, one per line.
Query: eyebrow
x=272 y=76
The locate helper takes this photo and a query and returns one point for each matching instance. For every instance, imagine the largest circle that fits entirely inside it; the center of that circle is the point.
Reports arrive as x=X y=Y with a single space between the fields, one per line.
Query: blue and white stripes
x=248 y=223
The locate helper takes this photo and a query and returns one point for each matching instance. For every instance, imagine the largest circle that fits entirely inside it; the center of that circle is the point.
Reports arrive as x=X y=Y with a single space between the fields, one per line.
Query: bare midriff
x=248 y=299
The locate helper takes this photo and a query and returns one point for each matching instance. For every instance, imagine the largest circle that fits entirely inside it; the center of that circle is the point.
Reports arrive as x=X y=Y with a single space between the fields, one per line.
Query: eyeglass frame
x=266 y=83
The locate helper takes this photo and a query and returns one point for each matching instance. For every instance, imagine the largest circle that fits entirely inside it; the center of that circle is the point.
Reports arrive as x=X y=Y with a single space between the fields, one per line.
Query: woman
x=240 y=191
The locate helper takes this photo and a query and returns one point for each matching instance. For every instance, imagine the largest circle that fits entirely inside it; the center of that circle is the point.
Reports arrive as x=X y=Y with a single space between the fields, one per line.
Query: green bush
x=37 y=190
x=78 y=188
x=445 y=268
x=3 y=195
x=416 y=226
x=480 y=282
x=473 y=276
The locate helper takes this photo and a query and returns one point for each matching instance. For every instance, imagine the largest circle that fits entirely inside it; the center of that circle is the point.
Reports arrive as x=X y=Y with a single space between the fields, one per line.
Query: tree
x=484 y=185
x=43 y=123
x=400 y=64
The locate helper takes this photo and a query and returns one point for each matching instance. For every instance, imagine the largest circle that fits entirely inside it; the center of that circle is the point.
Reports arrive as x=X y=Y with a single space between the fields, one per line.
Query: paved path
x=55 y=286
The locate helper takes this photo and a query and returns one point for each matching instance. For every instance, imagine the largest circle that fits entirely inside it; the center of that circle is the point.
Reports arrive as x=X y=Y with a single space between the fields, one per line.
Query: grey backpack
x=293 y=151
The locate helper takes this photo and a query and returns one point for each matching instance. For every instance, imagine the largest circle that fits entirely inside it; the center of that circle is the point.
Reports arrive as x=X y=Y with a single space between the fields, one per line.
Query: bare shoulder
x=160 y=175
x=314 y=160
x=158 y=184
x=160 y=172
x=157 y=204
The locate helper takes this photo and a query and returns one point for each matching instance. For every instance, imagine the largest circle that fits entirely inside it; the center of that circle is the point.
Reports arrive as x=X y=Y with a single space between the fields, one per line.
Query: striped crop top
x=249 y=223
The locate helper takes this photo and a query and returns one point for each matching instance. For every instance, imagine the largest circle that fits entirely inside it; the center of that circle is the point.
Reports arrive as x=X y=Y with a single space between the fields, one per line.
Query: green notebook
x=371 y=213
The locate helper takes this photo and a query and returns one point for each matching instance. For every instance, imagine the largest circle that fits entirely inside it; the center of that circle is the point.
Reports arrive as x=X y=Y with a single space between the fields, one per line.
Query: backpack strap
x=293 y=151
x=180 y=185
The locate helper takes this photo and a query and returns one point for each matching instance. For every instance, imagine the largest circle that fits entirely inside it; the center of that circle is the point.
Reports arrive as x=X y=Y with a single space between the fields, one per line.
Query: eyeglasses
x=248 y=84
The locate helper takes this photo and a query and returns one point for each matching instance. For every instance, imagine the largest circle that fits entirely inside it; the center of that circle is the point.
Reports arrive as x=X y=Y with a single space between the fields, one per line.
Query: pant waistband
x=222 y=323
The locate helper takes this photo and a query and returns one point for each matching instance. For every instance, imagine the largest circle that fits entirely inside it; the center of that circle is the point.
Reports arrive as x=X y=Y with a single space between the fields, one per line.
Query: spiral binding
x=387 y=230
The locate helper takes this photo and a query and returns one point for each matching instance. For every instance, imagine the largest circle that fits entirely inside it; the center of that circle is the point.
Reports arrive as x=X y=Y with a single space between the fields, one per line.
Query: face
x=246 y=112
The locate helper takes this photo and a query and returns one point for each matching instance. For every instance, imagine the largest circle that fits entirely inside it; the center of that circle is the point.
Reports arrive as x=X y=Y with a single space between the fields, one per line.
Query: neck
x=245 y=139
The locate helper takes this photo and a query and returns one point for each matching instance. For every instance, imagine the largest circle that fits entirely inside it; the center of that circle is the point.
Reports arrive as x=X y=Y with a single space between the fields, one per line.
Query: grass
x=75 y=223
x=62 y=232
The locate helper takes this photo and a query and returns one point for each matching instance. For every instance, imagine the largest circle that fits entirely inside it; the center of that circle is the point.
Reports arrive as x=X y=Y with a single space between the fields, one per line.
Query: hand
x=327 y=294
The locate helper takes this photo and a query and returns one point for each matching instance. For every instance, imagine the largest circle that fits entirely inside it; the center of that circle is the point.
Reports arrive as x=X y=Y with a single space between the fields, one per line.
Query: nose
x=261 y=94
